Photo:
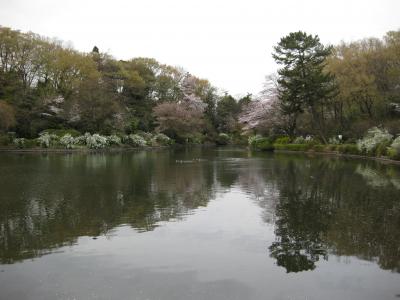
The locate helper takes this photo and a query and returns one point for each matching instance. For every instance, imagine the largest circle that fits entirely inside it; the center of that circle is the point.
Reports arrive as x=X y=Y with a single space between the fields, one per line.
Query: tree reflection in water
x=319 y=206
x=302 y=221
x=326 y=206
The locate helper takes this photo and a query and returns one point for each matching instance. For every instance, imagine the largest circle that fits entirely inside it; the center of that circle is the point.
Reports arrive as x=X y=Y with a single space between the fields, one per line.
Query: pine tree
x=303 y=83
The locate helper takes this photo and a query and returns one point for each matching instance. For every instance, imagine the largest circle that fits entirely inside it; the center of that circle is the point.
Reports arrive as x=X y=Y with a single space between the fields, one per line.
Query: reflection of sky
x=217 y=252
x=199 y=230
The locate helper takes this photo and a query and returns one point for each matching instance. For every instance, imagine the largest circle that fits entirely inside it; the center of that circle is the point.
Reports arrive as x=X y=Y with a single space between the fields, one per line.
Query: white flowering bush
x=161 y=139
x=373 y=139
x=19 y=142
x=67 y=141
x=96 y=141
x=81 y=140
x=147 y=136
x=135 y=140
x=46 y=140
x=113 y=140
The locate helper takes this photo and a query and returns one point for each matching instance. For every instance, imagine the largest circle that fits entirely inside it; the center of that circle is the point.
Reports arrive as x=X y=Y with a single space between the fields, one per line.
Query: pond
x=198 y=223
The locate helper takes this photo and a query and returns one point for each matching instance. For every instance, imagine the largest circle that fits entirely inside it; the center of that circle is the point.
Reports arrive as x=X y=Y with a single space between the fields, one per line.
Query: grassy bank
x=326 y=151
x=343 y=149
x=377 y=143
x=349 y=150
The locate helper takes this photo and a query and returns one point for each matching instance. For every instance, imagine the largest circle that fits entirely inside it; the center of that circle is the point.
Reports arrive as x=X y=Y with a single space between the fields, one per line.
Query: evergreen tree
x=303 y=84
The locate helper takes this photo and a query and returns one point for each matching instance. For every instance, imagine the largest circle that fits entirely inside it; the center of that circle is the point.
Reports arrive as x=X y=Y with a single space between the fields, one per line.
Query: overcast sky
x=226 y=41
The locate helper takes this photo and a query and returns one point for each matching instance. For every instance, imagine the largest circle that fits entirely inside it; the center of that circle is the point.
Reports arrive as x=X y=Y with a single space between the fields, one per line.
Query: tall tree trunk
x=317 y=124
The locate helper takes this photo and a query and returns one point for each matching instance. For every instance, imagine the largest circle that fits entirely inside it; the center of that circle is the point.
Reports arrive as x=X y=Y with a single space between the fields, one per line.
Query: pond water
x=216 y=223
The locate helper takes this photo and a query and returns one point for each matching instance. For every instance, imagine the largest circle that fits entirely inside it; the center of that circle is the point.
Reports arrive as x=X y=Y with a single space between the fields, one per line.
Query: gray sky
x=226 y=41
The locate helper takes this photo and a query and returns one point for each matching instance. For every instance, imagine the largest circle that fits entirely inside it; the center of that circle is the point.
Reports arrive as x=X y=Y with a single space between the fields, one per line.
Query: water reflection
x=49 y=201
x=318 y=207
x=329 y=206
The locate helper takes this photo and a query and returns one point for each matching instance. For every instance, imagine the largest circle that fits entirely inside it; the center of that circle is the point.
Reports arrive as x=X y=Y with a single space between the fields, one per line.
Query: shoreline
x=100 y=150
x=126 y=149
x=342 y=155
x=81 y=150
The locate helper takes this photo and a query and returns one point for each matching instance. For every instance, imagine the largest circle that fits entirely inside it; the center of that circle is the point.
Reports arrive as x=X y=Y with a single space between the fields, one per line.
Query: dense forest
x=323 y=92
x=46 y=85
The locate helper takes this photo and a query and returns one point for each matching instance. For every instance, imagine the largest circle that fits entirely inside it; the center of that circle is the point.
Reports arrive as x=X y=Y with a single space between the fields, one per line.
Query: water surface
x=198 y=224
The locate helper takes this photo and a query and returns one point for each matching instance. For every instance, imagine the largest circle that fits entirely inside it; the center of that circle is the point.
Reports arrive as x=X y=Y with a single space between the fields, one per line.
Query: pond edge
x=334 y=153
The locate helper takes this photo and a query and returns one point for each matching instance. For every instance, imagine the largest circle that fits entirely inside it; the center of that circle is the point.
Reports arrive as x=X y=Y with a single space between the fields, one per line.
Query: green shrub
x=261 y=143
x=381 y=149
x=4 y=140
x=161 y=139
x=345 y=148
x=252 y=139
x=196 y=138
x=223 y=139
x=239 y=140
x=282 y=140
x=264 y=144
x=22 y=143
x=394 y=150
x=392 y=153
x=30 y=143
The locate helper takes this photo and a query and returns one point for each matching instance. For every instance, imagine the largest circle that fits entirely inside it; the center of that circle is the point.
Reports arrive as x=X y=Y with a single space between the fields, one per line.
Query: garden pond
x=198 y=223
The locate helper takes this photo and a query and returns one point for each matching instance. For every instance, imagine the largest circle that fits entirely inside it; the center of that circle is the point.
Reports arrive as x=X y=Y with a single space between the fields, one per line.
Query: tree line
x=328 y=91
x=46 y=84
x=319 y=90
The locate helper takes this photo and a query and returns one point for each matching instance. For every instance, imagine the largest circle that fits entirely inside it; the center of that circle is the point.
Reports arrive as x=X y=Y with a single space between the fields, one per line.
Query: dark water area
x=200 y=223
